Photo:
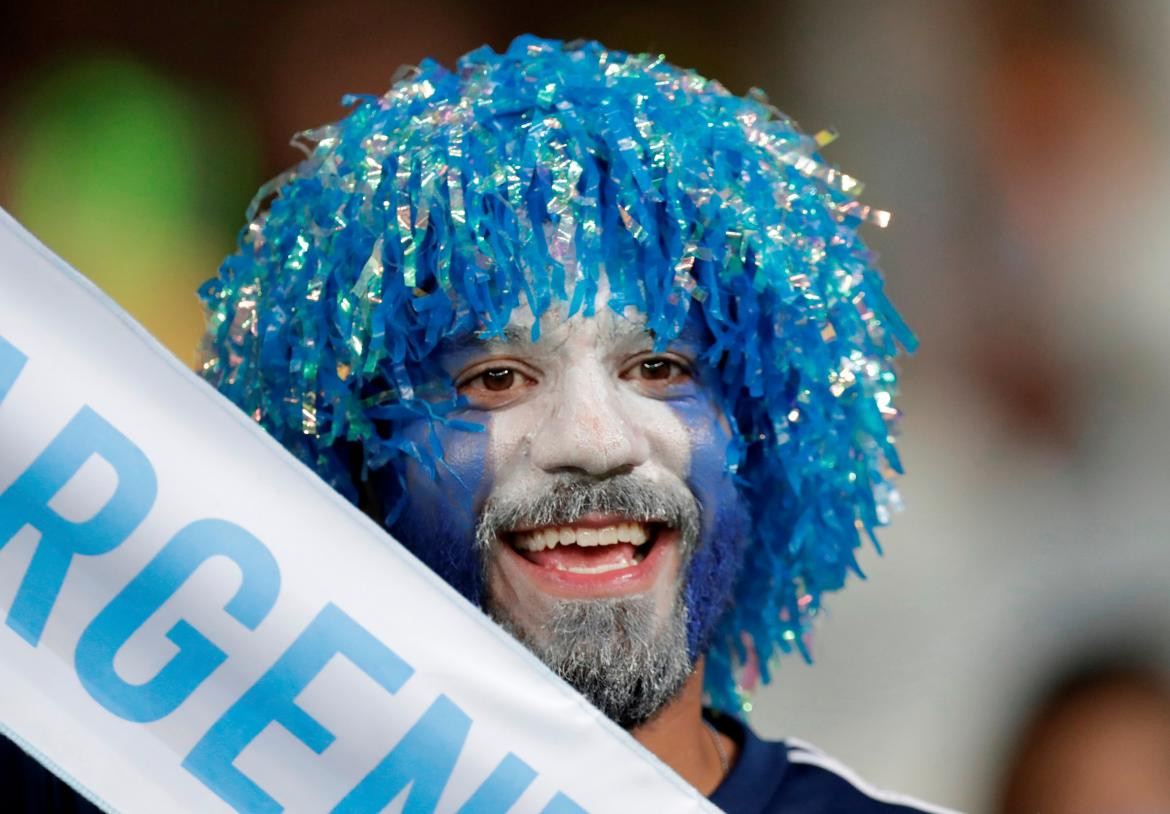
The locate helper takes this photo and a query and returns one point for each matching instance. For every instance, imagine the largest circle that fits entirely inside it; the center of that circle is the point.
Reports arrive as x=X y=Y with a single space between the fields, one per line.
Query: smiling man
x=598 y=342
x=602 y=450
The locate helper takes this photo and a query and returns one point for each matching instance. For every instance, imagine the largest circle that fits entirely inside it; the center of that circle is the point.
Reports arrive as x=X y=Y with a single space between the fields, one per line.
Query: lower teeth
x=597 y=569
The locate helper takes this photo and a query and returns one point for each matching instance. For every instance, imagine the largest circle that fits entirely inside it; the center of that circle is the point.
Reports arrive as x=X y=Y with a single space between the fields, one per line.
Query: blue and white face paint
x=599 y=488
x=460 y=197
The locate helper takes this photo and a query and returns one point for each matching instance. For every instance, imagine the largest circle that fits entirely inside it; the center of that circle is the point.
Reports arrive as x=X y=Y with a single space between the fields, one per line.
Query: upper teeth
x=540 y=539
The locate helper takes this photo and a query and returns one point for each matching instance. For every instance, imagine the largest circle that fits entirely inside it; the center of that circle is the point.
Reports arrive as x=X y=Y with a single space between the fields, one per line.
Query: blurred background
x=1009 y=652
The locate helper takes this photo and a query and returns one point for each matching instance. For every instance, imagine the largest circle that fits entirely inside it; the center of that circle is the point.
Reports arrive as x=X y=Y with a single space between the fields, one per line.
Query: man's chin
x=619 y=652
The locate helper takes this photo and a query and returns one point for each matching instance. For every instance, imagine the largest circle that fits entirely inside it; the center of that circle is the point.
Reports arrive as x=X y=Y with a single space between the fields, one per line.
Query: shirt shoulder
x=29 y=786
x=820 y=784
x=793 y=777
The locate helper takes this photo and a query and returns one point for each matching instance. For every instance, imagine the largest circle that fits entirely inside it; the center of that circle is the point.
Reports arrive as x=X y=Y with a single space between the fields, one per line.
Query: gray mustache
x=567 y=498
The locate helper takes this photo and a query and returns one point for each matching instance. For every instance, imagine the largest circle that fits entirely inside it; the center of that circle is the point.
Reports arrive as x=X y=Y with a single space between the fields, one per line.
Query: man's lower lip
x=619 y=582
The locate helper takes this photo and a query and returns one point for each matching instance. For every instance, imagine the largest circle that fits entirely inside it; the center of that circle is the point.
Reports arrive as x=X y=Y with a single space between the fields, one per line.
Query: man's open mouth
x=587 y=546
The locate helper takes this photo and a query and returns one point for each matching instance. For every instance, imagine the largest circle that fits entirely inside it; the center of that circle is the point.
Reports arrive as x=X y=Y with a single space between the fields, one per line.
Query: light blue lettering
x=26 y=502
x=502 y=788
x=562 y=804
x=11 y=363
x=273 y=699
x=147 y=592
x=423 y=758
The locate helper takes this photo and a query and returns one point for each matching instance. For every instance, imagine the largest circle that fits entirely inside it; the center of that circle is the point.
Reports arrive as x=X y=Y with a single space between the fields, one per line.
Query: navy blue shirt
x=784 y=777
x=791 y=777
x=27 y=786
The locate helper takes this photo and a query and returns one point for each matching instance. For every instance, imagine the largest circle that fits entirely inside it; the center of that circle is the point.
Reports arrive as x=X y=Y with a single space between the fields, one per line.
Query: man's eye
x=502 y=378
x=658 y=371
x=495 y=386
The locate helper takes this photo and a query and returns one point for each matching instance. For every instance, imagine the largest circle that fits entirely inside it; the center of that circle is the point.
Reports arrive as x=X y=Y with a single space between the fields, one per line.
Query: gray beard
x=610 y=651
x=614 y=651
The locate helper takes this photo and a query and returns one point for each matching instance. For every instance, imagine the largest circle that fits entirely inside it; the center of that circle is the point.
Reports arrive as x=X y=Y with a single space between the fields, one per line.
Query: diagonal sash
x=190 y=620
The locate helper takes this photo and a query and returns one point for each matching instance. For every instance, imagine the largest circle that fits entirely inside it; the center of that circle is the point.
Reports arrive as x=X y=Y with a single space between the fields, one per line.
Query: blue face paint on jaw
x=723 y=534
x=437 y=521
x=715 y=564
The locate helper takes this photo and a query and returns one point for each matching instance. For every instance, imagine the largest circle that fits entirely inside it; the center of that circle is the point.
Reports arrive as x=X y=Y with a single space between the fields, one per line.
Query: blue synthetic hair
x=435 y=210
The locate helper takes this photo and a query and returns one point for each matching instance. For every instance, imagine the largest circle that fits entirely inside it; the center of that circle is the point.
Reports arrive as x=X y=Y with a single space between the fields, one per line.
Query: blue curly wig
x=435 y=210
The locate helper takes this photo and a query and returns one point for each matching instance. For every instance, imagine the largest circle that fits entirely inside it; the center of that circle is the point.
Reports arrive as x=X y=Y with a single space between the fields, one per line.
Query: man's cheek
x=439 y=518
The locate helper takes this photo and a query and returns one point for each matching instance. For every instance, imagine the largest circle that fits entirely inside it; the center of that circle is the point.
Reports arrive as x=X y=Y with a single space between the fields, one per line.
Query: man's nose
x=589 y=429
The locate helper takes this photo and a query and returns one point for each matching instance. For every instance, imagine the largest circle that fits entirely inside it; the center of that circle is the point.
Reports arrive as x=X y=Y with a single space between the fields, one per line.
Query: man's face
x=594 y=519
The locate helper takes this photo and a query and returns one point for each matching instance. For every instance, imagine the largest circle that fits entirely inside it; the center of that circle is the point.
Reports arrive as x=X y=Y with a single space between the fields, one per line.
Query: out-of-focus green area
x=133 y=140
x=134 y=179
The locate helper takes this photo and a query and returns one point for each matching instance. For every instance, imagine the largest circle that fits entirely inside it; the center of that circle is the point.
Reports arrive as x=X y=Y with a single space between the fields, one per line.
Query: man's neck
x=682 y=740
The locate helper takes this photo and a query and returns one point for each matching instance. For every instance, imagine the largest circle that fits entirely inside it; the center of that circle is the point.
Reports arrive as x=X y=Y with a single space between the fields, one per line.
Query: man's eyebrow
x=519 y=339
x=509 y=336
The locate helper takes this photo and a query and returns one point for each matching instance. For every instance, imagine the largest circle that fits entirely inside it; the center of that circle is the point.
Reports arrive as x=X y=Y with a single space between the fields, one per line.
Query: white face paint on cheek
x=582 y=418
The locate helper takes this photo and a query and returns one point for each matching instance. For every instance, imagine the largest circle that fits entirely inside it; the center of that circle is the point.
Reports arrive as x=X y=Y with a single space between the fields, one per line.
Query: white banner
x=190 y=620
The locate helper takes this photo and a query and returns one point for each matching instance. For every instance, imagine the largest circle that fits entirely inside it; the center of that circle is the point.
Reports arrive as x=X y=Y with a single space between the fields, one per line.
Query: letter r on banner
x=272 y=699
x=26 y=502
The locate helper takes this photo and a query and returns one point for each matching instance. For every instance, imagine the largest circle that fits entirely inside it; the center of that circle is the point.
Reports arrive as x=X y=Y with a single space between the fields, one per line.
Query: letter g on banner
x=159 y=580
